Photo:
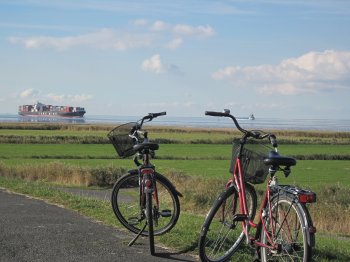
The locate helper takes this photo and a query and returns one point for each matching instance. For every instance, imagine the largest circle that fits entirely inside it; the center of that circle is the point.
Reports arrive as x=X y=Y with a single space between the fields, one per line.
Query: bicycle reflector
x=147 y=171
x=148 y=183
x=306 y=196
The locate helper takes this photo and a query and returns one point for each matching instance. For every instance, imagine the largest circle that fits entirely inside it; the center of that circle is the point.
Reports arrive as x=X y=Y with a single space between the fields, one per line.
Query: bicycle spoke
x=126 y=205
x=289 y=238
x=221 y=235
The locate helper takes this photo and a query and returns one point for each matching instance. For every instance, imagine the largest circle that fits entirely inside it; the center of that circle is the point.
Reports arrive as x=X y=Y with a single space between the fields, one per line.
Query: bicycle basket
x=252 y=161
x=121 y=140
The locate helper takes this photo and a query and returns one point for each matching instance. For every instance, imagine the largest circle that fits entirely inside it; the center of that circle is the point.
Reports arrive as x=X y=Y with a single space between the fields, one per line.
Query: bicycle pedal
x=133 y=221
x=165 y=213
x=240 y=217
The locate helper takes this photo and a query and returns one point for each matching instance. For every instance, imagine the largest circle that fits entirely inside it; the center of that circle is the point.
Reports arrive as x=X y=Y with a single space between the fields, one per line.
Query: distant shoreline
x=339 y=125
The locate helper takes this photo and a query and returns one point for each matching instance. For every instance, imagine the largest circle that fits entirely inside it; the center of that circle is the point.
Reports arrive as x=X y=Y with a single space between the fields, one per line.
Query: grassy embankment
x=197 y=161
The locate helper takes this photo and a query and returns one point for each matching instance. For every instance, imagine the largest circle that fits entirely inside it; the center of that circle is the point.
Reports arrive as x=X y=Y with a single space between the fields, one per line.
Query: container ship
x=40 y=109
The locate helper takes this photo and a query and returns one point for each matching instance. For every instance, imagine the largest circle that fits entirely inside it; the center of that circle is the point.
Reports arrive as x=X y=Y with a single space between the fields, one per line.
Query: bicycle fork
x=147 y=186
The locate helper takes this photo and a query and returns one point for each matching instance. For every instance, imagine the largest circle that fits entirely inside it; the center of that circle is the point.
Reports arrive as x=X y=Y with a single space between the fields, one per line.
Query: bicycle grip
x=158 y=114
x=212 y=113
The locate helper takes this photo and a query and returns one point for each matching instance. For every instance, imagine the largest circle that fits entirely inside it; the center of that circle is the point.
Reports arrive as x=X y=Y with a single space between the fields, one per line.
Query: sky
x=273 y=58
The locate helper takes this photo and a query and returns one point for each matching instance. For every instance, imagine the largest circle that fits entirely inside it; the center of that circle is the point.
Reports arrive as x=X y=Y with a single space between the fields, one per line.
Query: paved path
x=33 y=230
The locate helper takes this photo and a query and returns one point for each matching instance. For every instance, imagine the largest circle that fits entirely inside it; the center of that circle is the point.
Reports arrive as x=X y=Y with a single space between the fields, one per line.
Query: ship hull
x=53 y=114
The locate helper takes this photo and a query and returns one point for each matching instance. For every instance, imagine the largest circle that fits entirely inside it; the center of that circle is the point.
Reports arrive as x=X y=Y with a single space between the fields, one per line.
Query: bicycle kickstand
x=137 y=236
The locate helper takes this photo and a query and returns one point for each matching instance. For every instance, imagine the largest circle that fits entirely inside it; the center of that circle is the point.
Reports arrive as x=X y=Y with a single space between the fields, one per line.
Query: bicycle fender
x=166 y=180
x=309 y=226
x=133 y=171
x=309 y=229
x=170 y=184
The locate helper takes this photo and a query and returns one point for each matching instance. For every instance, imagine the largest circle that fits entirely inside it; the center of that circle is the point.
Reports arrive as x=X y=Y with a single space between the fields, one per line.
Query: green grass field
x=171 y=134
x=310 y=173
x=184 y=151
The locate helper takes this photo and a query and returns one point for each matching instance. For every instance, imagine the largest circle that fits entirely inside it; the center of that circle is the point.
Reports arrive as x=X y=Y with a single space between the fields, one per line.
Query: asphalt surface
x=33 y=230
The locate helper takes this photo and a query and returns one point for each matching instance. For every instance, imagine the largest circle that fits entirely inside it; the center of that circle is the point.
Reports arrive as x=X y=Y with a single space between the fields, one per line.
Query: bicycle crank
x=134 y=221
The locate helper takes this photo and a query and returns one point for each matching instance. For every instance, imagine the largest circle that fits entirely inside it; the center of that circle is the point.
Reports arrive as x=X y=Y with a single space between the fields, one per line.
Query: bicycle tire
x=126 y=204
x=290 y=222
x=149 y=217
x=214 y=243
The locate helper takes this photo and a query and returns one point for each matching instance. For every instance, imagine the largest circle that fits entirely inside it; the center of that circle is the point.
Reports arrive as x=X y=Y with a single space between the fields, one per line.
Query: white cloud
x=159 y=26
x=203 y=31
x=140 y=22
x=32 y=93
x=80 y=98
x=142 y=34
x=101 y=39
x=309 y=73
x=29 y=93
x=62 y=98
x=175 y=43
x=56 y=97
x=155 y=65
x=171 y=104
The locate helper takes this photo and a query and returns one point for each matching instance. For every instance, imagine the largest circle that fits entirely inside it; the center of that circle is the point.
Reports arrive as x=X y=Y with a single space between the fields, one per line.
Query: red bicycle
x=284 y=231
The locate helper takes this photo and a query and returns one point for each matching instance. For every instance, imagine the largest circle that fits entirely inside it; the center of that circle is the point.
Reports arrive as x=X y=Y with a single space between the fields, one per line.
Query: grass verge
x=198 y=192
x=59 y=173
x=182 y=238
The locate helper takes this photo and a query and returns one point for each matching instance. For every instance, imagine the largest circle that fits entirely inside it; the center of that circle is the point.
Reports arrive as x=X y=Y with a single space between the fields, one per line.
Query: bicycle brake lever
x=286 y=171
x=136 y=161
x=255 y=134
x=273 y=140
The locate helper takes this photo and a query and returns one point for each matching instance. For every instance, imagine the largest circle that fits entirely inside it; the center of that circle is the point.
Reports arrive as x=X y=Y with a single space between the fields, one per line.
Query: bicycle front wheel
x=132 y=214
x=221 y=236
x=286 y=231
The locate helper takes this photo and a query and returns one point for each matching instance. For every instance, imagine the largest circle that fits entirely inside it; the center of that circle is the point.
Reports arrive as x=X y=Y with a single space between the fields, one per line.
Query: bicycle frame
x=147 y=181
x=238 y=181
x=146 y=171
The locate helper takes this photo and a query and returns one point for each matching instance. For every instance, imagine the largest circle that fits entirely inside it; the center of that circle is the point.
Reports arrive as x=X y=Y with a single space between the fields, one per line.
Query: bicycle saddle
x=274 y=159
x=147 y=145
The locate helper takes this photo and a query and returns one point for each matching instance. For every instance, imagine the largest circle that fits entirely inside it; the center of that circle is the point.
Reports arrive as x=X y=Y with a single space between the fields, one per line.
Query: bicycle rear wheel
x=221 y=237
x=289 y=224
x=128 y=210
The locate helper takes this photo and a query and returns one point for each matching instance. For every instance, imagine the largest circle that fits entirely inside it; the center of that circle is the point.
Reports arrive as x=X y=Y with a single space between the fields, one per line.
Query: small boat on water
x=251 y=117
x=40 y=109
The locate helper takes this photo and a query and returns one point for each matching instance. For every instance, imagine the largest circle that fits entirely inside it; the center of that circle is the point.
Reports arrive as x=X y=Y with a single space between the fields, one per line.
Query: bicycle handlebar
x=157 y=114
x=150 y=117
x=227 y=114
x=254 y=133
x=212 y=113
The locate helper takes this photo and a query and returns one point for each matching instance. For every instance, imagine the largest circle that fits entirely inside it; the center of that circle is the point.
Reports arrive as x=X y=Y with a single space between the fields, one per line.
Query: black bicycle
x=144 y=201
